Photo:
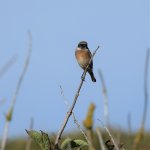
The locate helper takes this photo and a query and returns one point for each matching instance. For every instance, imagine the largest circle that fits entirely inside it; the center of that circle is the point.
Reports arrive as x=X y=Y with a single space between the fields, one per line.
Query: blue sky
x=120 y=27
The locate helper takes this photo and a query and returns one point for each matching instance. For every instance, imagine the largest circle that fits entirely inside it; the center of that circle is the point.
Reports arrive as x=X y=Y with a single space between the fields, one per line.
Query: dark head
x=83 y=44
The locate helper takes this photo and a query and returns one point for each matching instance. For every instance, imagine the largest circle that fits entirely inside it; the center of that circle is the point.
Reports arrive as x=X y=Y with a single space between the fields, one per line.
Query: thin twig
x=145 y=88
x=26 y=64
x=111 y=137
x=79 y=127
x=100 y=139
x=28 y=144
x=104 y=92
x=7 y=65
x=13 y=102
x=74 y=118
x=58 y=138
x=5 y=133
x=140 y=133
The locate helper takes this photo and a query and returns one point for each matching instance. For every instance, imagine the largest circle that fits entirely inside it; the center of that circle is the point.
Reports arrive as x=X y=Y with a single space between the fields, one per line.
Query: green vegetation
x=20 y=143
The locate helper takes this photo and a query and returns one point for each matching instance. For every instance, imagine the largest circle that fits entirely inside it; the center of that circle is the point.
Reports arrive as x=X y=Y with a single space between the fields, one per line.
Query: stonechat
x=83 y=56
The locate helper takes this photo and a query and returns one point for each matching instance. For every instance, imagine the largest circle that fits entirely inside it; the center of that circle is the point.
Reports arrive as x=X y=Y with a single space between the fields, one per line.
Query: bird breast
x=83 y=57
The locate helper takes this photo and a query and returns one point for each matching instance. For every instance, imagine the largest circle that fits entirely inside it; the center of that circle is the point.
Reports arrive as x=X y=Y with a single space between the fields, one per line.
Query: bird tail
x=92 y=76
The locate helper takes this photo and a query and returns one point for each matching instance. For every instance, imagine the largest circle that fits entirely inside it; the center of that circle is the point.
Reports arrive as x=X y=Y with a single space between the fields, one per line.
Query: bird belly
x=83 y=58
x=83 y=62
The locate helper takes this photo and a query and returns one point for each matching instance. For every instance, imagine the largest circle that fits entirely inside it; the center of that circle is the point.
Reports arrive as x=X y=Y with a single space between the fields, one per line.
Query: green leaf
x=37 y=137
x=46 y=141
x=81 y=143
x=73 y=144
x=66 y=143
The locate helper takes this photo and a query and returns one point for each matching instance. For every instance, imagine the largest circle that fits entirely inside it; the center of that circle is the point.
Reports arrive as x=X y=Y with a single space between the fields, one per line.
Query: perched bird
x=83 y=56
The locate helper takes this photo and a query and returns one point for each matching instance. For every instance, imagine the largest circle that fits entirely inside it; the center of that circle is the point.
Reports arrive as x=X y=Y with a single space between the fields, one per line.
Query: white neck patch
x=82 y=49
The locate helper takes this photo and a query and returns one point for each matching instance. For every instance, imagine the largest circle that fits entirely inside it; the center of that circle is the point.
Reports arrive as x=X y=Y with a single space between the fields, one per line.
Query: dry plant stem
x=5 y=132
x=89 y=133
x=28 y=144
x=145 y=88
x=79 y=127
x=104 y=92
x=112 y=139
x=7 y=65
x=74 y=118
x=140 y=133
x=26 y=64
x=73 y=104
x=100 y=139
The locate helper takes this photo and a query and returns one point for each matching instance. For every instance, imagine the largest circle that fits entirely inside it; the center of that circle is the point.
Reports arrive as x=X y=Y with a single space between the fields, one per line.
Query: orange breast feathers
x=83 y=57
